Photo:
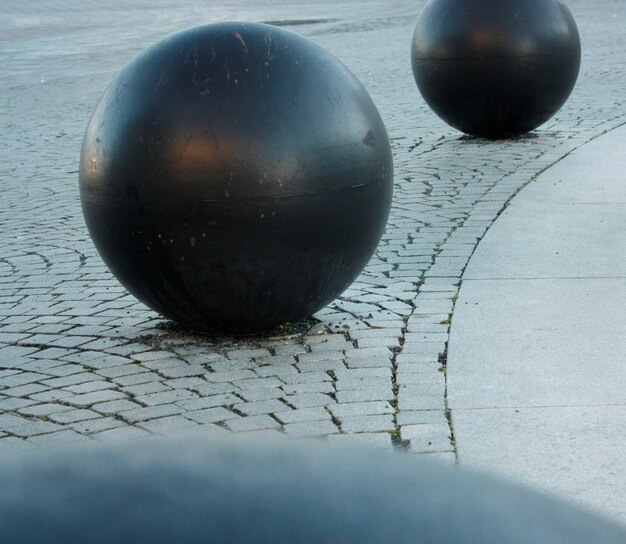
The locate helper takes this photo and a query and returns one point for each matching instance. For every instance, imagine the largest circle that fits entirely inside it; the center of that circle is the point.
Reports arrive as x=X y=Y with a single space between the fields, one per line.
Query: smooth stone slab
x=576 y=453
x=536 y=373
x=553 y=240
x=537 y=343
x=570 y=222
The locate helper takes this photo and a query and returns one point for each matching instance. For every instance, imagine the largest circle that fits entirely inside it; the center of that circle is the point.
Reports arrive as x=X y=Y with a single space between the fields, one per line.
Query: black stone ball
x=236 y=176
x=495 y=68
x=256 y=491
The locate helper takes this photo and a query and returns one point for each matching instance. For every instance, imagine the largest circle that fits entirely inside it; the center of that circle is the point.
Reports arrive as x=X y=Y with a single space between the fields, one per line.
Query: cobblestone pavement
x=80 y=359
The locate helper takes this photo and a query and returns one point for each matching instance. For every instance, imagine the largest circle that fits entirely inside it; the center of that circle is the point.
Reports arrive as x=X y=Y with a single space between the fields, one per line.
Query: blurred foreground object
x=263 y=489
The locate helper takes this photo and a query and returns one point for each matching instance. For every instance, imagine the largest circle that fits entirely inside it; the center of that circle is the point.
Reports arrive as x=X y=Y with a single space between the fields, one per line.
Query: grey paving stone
x=253 y=423
x=92 y=426
x=431 y=401
x=74 y=415
x=289 y=349
x=363 y=373
x=365 y=394
x=34 y=427
x=115 y=406
x=24 y=390
x=226 y=365
x=123 y=371
x=262 y=393
x=309 y=387
x=166 y=397
x=420 y=417
x=278 y=370
x=390 y=342
x=182 y=371
x=137 y=378
x=307 y=377
x=372 y=382
x=257 y=383
x=331 y=347
x=11 y=353
x=122 y=433
x=321 y=365
x=154 y=355
x=305 y=359
x=425 y=349
x=94 y=398
x=47 y=396
x=248 y=353
x=309 y=400
x=428 y=437
x=229 y=376
x=213 y=415
x=58 y=438
x=46 y=409
x=9 y=421
x=303 y=415
x=23 y=378
x=418 y=390
x=376 y=333
x=58 y=368
x=11 y=337
x=225 y=399
x=369 y=363
x=417 y=360
x=166 y=425
x=72 y=341
x=86 y=357
x=89 y=387
x=420 y=375
x=145 y=388
x=214 y=388
x=310 y=428
x=260 y=407
x=138 y=414
x=367 y=423
x=72 y=379
x=361 y=408
x=185 y=383
x=379 y=353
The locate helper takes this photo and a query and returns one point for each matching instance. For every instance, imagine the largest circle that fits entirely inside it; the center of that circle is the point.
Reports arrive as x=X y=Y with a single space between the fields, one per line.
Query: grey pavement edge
x=82 y=361
x=537 y=352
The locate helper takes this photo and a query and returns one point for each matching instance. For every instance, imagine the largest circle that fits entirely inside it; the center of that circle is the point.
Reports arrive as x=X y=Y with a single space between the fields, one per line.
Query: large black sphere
x=256 y=492
x=495 y=68
x=236 y=176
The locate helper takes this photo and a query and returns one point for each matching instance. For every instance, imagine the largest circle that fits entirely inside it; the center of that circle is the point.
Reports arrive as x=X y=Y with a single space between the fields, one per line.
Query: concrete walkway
x=537 y=351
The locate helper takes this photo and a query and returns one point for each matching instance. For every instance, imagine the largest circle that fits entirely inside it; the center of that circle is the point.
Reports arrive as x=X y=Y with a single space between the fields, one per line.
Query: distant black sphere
x=495 y=68
x=236 y=176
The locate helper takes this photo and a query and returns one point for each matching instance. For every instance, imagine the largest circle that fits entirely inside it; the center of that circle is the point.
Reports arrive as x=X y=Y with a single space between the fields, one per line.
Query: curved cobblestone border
x=81 y=359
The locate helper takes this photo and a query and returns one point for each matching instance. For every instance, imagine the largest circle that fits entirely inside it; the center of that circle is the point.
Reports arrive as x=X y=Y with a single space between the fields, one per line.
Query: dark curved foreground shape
x=236 y=176
x=494 y=68
x=246 y=490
